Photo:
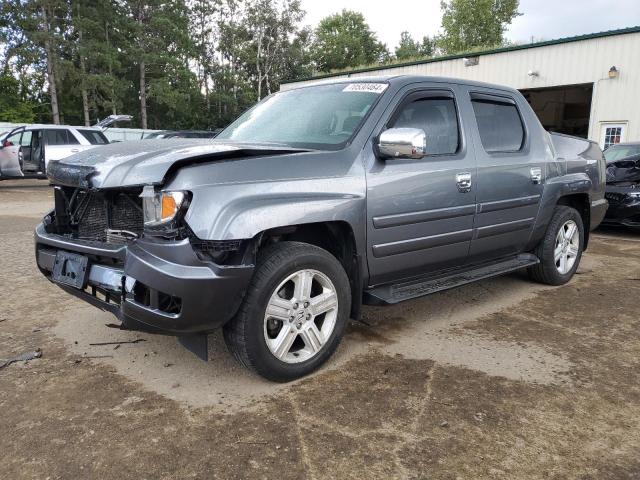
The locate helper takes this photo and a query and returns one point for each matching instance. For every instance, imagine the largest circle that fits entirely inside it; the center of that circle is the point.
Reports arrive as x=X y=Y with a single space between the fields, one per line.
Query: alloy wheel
x=567 y=247
x=300 y=316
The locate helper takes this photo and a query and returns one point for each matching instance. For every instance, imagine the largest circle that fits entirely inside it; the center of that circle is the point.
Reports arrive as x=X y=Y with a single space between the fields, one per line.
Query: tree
x=32 y=30
x=428 y=48
x=472 y=24
x=409 y=48
x=270 y=24
x=13 y=106
x=345 y=40
x=160 y=47
x=180 y=64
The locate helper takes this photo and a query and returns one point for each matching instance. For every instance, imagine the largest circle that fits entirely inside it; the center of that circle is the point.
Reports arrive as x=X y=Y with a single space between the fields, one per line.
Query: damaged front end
x=623 y=192
x=128 y=251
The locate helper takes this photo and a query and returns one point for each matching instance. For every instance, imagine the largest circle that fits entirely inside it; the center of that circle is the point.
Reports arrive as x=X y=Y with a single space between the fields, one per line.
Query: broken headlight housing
x=161 y=208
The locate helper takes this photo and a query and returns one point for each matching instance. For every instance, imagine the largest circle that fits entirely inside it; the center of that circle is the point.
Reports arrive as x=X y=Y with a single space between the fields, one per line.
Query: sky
x=541 y=19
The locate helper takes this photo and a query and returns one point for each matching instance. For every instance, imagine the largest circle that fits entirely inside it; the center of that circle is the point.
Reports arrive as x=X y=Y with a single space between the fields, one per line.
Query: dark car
x=623 y=184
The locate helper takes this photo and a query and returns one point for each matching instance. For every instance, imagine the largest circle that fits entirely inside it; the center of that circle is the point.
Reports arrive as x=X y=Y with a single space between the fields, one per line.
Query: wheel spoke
x=563 y=263
x=573 y=250
x=278 y=308
x=557 y=253
x=302 y=282
x=282 y=343
x=312 y=337
x=571 y=230
x=324 y=302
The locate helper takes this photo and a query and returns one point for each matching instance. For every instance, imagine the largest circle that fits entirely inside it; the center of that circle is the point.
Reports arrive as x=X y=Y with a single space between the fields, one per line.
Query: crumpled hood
x=624 y=170
x=146 y=162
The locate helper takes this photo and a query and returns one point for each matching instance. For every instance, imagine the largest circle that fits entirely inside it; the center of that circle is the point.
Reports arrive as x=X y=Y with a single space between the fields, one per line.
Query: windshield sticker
x=365 y=87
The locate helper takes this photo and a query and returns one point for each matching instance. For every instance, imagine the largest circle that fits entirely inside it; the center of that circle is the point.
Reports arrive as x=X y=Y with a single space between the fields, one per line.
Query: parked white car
x=27 y=150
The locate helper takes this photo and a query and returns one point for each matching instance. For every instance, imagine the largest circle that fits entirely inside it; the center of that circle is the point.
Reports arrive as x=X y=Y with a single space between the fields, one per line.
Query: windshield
x=618 y=152
x=323 y=117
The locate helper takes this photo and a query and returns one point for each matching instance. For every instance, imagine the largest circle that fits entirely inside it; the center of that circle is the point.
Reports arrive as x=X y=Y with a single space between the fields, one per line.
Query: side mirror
x=403 y=143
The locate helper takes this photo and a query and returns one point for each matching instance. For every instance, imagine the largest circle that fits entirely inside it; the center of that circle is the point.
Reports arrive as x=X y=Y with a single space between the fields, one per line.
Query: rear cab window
x=94 y=137
x=499 y=123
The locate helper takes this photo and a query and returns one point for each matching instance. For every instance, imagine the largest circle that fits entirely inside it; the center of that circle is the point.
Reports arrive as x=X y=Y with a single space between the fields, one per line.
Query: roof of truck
x=402 y=80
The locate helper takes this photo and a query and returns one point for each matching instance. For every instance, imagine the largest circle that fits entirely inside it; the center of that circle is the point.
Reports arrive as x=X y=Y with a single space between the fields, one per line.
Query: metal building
x=588 y=85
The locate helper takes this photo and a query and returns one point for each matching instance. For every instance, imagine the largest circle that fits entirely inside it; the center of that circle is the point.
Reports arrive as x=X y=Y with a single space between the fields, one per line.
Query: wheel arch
x=581 y=203
x=336 y=237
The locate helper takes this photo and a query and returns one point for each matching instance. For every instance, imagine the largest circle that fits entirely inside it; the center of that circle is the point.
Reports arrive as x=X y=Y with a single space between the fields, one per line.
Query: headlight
x=160 y=208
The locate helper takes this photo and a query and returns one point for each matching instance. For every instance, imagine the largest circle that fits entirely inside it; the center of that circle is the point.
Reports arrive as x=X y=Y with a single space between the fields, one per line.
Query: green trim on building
x=559 y=41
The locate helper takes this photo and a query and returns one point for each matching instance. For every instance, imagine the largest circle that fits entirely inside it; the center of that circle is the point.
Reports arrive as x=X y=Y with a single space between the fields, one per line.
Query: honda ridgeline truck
x=317 y=200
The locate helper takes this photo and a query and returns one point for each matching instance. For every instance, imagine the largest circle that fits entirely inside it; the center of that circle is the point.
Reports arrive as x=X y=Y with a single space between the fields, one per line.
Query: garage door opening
x=563 y=109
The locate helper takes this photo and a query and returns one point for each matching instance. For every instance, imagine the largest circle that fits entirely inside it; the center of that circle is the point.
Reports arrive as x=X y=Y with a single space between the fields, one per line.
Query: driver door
x=419 y=212
x=9 y=161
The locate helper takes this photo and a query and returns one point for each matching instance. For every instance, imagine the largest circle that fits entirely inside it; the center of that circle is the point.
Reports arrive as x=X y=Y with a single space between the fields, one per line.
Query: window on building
x=438 y=118
x=499 y=125
x=612 y=134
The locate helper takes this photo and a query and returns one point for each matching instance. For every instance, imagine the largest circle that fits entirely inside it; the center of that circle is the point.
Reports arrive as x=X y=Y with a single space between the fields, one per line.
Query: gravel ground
x=499 y=379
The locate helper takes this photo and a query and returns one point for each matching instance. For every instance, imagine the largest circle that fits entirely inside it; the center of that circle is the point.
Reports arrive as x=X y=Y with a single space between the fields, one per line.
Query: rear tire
x=282 y=331
x=560 y=250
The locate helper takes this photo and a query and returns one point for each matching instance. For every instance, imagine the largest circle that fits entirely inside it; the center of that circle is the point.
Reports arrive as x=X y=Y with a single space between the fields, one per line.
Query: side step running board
x=394 y=293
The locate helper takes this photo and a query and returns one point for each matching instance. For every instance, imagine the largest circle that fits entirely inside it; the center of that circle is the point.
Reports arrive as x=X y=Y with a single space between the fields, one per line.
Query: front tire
x=561 y=248
x=294 y=312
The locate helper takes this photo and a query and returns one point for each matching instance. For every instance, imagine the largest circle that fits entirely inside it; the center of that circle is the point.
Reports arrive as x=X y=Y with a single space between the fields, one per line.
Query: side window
x=13 y=140
x=71 y=138
x=437 y=117
x=59 y=137
x=25 y=141
x=94 y=137
x=499 y=125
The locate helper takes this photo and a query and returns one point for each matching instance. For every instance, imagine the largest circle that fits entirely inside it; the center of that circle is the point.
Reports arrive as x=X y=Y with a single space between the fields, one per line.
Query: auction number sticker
x=366 y=87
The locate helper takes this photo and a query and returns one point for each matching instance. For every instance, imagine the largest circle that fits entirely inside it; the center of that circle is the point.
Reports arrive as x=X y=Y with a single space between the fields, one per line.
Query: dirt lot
x=501 y=379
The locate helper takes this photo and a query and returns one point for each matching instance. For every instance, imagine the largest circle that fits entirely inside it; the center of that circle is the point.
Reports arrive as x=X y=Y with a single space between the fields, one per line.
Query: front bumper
x=624 y=209
x=152 y=285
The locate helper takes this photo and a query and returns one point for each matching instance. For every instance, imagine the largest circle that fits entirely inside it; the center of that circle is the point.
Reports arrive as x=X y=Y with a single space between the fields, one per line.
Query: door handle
x=536 y=175
x=463 y=182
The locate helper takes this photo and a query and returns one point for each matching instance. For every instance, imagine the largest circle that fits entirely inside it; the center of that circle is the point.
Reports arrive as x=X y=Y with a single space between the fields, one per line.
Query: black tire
x=547 y=271
x=244 y=334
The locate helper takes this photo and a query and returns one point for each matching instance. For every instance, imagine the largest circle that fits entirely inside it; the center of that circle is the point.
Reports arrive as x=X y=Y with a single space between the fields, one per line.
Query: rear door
x=419 y=218
x=59 y=143
x=509 y=178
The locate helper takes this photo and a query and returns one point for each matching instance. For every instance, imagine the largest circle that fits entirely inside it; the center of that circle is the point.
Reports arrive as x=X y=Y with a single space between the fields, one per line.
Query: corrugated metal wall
x=615 y=100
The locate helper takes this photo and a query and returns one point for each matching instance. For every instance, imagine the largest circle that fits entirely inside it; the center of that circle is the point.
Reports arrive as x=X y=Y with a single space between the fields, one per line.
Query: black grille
x=126 y=214
x=615 y=197
x=95 y=213
x=92 y=222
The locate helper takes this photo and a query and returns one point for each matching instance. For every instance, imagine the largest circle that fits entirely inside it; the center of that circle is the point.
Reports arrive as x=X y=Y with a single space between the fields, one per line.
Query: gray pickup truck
x=315 y=201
